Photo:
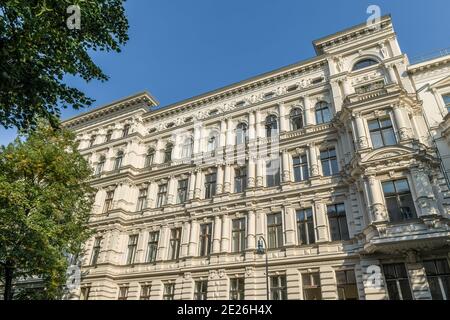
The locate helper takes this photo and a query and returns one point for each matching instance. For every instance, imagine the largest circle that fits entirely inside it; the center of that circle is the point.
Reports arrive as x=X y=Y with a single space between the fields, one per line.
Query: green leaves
x=44 y=210
x=37 y=49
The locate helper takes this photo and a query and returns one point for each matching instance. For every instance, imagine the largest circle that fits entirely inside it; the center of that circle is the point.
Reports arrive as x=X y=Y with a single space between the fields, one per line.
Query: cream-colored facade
x=330 y=160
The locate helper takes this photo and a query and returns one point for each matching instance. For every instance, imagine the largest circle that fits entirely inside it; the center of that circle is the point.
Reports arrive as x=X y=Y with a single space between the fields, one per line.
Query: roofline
x=119 y=101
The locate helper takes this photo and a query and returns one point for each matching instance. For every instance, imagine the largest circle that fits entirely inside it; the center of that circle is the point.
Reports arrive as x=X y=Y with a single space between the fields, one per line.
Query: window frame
x=275 y=231
x=142 y=199
x=279 y=290
x=210 y=185
x=237 y=288
x=271 y=125
x=175 y=243
x=133 y=240
x=356 y=66
x=152 y=247
x=205 y=239
x=96 y=250
x=330 y=161
x=322 y=112
x=182 y=191
x=295 y=117
x=397 y=279
x=380 y=130
x=161 y=196
x=109 y=198
x=305 y=226
x=240 y=179
x=338 y=217
x=301 y=167
x=238 y=235
x=201 y=290
x=398 y=195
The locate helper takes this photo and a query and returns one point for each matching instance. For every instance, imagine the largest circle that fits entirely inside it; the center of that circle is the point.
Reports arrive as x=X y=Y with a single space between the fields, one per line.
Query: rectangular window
x=240 y=179
x=123 y=293
x=338 y=222
x=237 y=289
x=381 y=132
x=300 y=165
x=182 y=191
x=85 y=292
x=238 y=235
x=201 y=290
x=132 y=245
x=446 y=98
x=274 y=231
x=142 y=199
x=145 y=292
x=96 y=250
x=92 y=140
x=205 y=239
x=305 y=226
x=278 y=288
x=399 y=201
x=108 y=201
x=311 y=286
x=397 y=281
x=175 y=242
x=329 y=162
x=346 y=285
x=108 y=135
x=169 y=291
x=162 y=196
x=149 y=158
x=152 y=249
x=125 y=131
x=273 y=173
x=210 y=185
x=438 y=276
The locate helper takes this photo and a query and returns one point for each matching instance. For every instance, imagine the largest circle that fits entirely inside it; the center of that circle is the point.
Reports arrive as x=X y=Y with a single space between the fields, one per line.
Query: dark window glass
x=182 y=191
x=168 y=153
x=311 y=286
x=240 y=179
x=85 y=292
x=201 y=290
x=149 y=158
x=241 y=134
x=162 y=196
x=274 y=230
x=446 y=98
x=238 y=235
x=108 y=135
x=169 y=291
x=399 y=201
x=118 y=160
x=323 y=113
x=123 y=293
x=397 y=282
x=296 y=117
x=438 y=276
x=300 y=164
x=381 y=132
x=338 y=222
x=346 y=285
x=132 y=246
x=100 y=165
x=278 y=288
x=364 y=64
x=142 y=199
x=210 y=185
x=305 y=226
x=205 y=239
x=273 y=173
x=237 y=289
x=108 y=201
x=271 y=126
x=145 y=292
x=125 y=131
x=329 y=162
x=152 y=249
x=175 y=243
x=92 y=140
x=96 y=250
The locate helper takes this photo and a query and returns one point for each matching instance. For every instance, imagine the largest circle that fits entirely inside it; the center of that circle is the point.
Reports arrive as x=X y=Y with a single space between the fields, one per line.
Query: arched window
x=296 y=119
x=100 y=165
x=361 y=64
x=118 y=160
x=271 y=126
x=241 y=133
x=149 y=157
x=126 y=130
x=323 y=113
x=212 y=142
x=168 y=153
x=186 y=150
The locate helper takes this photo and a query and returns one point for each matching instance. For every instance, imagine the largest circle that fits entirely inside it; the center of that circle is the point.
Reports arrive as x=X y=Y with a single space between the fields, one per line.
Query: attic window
x=269 y=95
x=240 y=103
x=152 y=130
x=188 y=119
x=317 y=80
x=213 y=112
x=364 y=64
x=170 y=125
x=292 y=88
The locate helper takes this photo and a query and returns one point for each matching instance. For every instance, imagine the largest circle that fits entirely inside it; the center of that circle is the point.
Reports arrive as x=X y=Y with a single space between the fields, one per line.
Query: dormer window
x=364 y=64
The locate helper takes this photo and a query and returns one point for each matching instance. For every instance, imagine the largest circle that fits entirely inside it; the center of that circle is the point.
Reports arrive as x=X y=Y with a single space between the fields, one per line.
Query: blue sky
x=180 y=48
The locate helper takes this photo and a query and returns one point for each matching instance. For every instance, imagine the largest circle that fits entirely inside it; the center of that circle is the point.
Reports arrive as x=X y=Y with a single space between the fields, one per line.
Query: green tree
x=37 y=49
x=44 y=207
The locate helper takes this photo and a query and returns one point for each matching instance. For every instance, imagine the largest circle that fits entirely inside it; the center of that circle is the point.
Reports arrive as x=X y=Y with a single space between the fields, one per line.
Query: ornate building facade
x=328 y=164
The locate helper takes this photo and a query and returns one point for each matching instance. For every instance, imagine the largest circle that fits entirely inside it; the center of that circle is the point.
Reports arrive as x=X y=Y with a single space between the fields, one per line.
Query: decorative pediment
x=445 y=82
x=385 y=153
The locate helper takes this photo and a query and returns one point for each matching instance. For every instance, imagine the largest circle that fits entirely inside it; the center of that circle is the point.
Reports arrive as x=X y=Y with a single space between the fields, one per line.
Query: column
x=258 y=124
x=282 y=115
x=191 y=186
x=186 y=231
x=172 y=190
x=392 y=75
x=309 y=117
x=223 y=133
x=289 y=226
x=425 y=198
x=225 y=243
x=418 y=279
x=403 y=122
x=251 y=229
x=286 y=167
x=259 y=173
x=251 y=173
x=251 y=125
x=152 y=191
x=347 y=90
x=217 y=234
x=360 y=132
x=313 y=165
x=227 y=183
x=198 y=184
x=337 y=95
x=378 y=211
x=162 y=244
x=321 y=221
x=193 y=239
x=230 y=135
x=219 y=184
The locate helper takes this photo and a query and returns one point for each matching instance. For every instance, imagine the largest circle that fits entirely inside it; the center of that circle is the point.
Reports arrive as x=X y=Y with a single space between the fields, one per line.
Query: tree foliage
x=37 y=49
x=44 y=207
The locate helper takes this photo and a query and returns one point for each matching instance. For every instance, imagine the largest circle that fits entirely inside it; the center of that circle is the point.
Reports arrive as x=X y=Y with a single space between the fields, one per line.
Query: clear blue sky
x=180 y=48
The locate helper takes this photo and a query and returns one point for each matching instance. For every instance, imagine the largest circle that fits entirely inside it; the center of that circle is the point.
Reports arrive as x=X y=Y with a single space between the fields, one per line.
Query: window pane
x=377 y=140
